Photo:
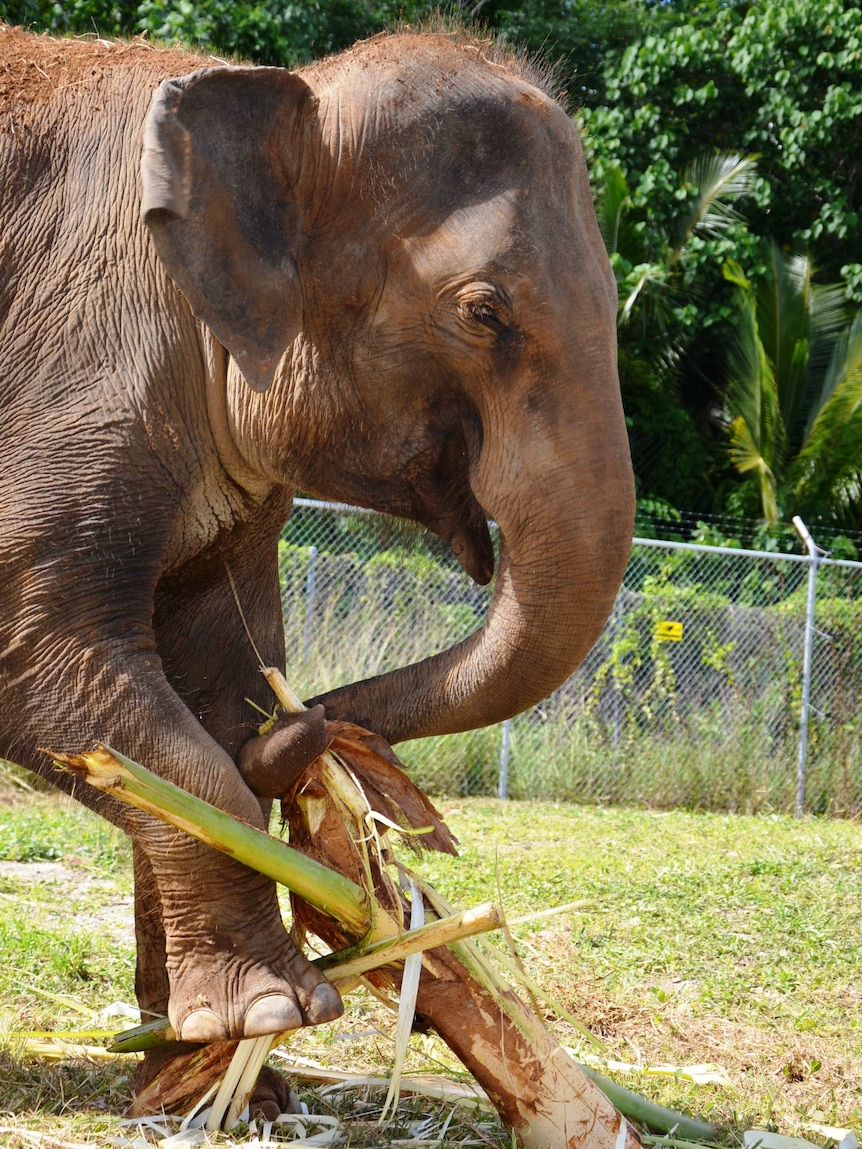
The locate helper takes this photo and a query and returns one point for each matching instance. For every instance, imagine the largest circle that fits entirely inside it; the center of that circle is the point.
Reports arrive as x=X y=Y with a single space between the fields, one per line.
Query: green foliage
x=800 y=62
x=664 y=266
x=781 y=79
x=795 y=394
x=580 y=34
x=267 y=32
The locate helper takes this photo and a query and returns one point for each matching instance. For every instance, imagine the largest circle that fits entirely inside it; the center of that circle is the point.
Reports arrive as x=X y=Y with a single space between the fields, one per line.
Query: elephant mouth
x=444 y=503
x=472 y=546
x=468 y=537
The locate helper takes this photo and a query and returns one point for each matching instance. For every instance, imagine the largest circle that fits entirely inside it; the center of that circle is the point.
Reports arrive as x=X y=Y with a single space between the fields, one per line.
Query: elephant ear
x=217 y=199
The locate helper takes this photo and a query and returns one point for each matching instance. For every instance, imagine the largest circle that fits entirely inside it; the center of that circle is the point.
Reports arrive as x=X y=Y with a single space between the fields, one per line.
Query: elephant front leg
x=231 y=969
x=173 y=1077
x=228 y=958
x=172 y=976
x=177 y=976
x=210 y=928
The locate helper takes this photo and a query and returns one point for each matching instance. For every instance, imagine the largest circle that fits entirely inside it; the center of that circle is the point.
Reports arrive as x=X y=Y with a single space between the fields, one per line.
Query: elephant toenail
x=325 y=1004
x=202 y=1025
x=274 y=1013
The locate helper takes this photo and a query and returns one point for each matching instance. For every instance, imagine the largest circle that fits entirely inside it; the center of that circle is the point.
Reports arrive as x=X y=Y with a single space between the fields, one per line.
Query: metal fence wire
x=724 y=679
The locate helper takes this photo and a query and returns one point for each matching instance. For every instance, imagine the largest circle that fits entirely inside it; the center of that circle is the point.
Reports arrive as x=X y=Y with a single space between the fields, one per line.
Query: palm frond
x=756 y=428
x=785 y=316
x=829 y=330
x=747 y=455
x=829 y=310
x=611 y=205
x=720 y=180
x=830 y=456
x=634 y=287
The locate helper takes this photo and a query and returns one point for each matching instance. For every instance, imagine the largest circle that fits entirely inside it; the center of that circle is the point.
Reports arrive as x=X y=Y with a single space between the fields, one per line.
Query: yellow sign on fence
x=669 y=632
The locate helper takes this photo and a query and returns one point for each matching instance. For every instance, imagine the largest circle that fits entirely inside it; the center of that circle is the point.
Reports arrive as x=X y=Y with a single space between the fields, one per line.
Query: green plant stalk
x=654 y=1116
x=328 y=891
x=441 y=932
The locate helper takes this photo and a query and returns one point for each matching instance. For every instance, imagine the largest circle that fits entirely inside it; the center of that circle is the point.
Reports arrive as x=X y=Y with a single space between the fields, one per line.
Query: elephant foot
x=227 y=997
x=173 y=1078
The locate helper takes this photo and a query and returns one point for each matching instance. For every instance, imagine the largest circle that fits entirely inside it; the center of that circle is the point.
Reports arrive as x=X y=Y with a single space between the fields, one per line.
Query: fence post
x=616 y=631
x=310 y=586
x=503 y=784
x=808 y=650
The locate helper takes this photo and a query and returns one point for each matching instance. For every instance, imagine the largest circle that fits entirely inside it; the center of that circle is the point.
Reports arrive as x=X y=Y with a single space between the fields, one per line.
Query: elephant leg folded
x=244 y=980
x=231 y=969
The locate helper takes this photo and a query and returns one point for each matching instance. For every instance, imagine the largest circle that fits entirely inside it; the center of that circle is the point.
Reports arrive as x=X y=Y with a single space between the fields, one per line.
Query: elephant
x=377 y=279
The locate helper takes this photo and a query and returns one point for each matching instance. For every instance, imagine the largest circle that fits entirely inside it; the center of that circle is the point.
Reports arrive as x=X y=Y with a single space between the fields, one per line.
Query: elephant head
x=398 y=249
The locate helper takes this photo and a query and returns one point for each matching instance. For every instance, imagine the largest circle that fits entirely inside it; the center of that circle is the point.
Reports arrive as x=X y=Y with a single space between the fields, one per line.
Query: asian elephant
x=378 y=279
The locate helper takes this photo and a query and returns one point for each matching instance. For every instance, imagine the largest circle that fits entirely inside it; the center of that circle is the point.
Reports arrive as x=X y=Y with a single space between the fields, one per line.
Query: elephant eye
x=485 y=314
x=487 y=307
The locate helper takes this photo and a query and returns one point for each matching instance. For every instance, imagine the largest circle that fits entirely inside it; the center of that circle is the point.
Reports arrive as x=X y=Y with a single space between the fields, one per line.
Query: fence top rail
x=701 y=548
x=741 y=552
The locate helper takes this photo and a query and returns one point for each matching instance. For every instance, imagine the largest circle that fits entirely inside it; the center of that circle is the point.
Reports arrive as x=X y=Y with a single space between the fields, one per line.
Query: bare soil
x=77 y=887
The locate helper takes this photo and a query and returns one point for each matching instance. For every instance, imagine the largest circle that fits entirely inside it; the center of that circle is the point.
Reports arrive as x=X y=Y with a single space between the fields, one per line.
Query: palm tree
x=649 y=264
x=794 y=402
x=665 y=272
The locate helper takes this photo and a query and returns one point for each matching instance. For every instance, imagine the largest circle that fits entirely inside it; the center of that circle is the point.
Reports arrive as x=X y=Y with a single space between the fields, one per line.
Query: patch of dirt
x=76 y=889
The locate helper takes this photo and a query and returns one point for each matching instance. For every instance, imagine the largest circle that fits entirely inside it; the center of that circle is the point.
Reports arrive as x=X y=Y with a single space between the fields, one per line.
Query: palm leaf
x=611 y=205
x=785 y=325
x=840 y=370
x=634 y=288
x=756 y=428
x=719 y=179
x=830 y=457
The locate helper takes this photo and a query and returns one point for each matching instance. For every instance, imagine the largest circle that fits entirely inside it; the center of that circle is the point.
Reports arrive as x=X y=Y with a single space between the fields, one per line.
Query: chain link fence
x=725 y=679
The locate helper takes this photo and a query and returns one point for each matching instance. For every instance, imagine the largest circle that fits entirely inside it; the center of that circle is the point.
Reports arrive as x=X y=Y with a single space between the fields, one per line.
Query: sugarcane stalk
x=441 y=932
x=329 y=891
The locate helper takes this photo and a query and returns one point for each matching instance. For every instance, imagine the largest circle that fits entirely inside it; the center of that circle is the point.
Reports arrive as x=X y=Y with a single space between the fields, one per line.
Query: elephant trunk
x=563 y=499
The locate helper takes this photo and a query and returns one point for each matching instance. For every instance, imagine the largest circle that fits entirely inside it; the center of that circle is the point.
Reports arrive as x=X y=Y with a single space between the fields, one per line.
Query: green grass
x=706 y=938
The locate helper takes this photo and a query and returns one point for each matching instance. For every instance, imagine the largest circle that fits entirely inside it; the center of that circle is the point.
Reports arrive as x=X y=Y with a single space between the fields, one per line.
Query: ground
x=700 y=941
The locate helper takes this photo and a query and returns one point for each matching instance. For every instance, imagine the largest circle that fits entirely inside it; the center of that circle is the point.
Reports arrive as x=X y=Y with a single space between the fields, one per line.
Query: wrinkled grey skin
x=379 y=280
